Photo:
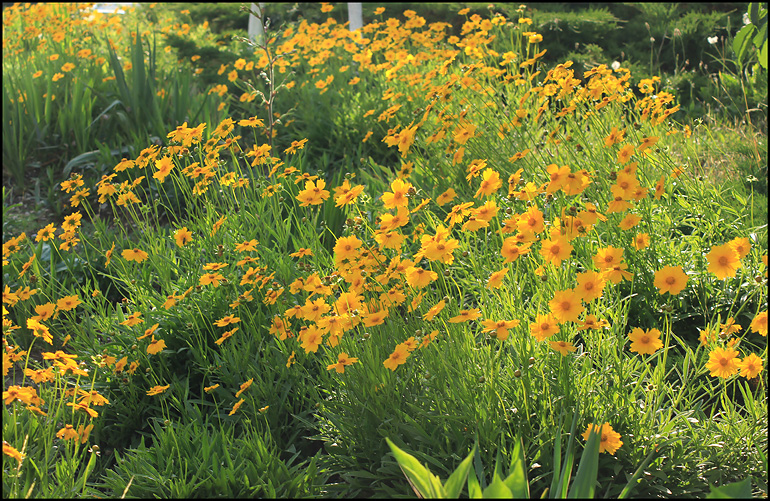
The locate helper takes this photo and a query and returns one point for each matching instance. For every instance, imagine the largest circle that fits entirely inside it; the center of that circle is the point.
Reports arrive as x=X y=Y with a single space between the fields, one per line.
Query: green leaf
x=588 y=469
x=763 y=55
x=517 y=481
x=736 y=490
x=424 y=483
x=474 y=489
x=497 y=489
x=454 y=484
x=741 y=41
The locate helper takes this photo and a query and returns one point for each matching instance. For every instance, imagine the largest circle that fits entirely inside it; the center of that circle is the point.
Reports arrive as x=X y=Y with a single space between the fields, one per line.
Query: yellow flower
x=750 y=366
x=182 y=236
x=566 y=306
x=723 y=260
x=562 y=347
x=671 y=279
x=496 y=279
x=343 y=360
x=244 y=387
x=723 y=362
x=466 y=315
x=157 y=390
x=398 y=357
x=645 y=343
x=134 y=255
x=609 y=439
x=759 y=324
x=237 y=406
x=67 y=433
x=155 y=346
x=12 y=452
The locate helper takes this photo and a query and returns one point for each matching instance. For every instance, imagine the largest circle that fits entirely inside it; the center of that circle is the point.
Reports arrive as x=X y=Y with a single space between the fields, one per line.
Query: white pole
x=256 y=29
x=355 y=15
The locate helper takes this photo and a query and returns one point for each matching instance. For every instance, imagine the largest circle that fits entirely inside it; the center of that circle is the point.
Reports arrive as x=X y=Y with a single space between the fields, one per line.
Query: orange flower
x=671 y=279
x=155 y=346
x=607 y=257
x=398 y=198
x=490 y=183
x=311 y=339
x=511 y=251
x=420 y=277
x=590 y=286
x=238 y=403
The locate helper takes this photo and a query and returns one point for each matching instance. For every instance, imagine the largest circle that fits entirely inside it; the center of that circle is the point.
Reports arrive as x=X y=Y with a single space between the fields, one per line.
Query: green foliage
x=195 y=459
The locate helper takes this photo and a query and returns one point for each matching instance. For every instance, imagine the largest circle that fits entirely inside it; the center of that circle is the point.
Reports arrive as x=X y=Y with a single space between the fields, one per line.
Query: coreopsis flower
x=209 y=389
x=238 y=403
x=67 y=433
x=499 y=328
x=465 y=316
x=641 y=241
x=182 y=236
x=8 y=450
x=750 y=366
x=446 y=197
x=671 y=279
x=211 y=278
x=511 y=251
x=723 y=362
x=531 y=221
x=607 y=257
x=544 y=327
x=645 y=342
x=566 y=306
x=39 y=330
x=244 y=387
x=741 y=245
x=398 y=197
x=629 y=221
x=609 y=440
x=555 y=250
x=563 y=347
x=313 y=194
x=490 y=183
x=68 y=303
x=157 y=390
x=419 y=277
x=343 y=360
x=393 y=221
x=434 y=310
x=227 y=320
x=163 y=166
x=46 y=233
x=496 y=279
x=155 y=346
x=134 y=255
x=723 y=260
x=759 y=324
x=590 y=285
x=346 y=194
x=311 y=339
x=398 y=357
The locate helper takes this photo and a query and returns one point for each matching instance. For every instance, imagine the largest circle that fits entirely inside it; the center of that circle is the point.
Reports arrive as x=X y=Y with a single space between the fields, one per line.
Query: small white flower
x=712 y=40
x=746 y=18
x=615 y=65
